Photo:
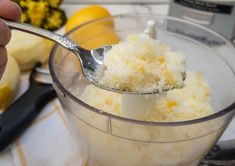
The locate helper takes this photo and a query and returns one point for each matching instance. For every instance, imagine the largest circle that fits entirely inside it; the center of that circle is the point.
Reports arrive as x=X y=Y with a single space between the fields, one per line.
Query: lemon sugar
x=141 y=63
x=190 y=102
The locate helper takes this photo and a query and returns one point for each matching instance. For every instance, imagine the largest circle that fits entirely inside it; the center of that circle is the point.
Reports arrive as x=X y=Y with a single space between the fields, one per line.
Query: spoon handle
x=63 y=41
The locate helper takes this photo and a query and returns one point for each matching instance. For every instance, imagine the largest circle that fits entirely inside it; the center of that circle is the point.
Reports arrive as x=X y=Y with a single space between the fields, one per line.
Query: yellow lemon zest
x=171 y=104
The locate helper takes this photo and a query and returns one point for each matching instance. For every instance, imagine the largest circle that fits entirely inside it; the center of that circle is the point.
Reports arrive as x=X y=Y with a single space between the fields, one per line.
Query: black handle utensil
x=15 y=120
x=222 y=154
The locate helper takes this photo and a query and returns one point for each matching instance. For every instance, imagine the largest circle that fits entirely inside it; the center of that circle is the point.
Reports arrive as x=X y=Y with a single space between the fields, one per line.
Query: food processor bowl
x=107 y=139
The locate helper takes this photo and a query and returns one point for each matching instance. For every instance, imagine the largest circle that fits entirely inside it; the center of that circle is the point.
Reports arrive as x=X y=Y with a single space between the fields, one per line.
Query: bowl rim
x=65 y=92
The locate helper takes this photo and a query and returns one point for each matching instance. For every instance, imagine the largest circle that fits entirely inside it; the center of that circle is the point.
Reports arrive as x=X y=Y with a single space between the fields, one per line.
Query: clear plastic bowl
x=106 y=139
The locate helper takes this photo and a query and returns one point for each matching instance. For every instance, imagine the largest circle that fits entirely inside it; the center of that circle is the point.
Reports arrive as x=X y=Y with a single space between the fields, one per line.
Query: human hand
x=11 y=11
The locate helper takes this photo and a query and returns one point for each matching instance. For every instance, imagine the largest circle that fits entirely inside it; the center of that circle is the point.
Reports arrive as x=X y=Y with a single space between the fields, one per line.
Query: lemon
x=28 y=49
x=86 y=14
x=94 y=36
x=9 y=82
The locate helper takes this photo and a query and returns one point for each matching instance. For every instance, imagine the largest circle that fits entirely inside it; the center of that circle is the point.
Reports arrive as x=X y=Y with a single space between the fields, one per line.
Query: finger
x=3 y=60
x=5 y=34
x=10 y=10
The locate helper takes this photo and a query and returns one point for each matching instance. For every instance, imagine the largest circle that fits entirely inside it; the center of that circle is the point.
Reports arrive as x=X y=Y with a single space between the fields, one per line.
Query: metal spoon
x=90 y=60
